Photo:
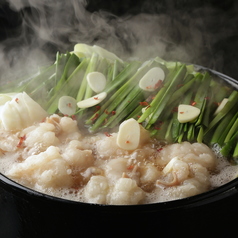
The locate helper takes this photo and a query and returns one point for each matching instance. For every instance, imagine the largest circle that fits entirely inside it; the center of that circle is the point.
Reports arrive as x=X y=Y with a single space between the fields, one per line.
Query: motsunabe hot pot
x=27 y=213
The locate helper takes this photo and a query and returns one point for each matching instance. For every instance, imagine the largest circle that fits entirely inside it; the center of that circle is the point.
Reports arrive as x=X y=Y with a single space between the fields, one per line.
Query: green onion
x=120 y=80
x=70 y=62
x=69 y=87
x=232 y=101
x=228 y=148
x=235 y=153
x=85 y=91
x=159 y=102
x=156 y=110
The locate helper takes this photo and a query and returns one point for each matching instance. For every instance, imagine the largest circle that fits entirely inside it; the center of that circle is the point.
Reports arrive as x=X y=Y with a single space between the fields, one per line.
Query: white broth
x=56 y=158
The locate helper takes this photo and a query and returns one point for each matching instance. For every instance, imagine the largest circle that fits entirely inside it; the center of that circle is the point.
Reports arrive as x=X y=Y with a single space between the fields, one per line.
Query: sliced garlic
x=187 y=113
x=220 y=107
x=67 y=105
x=152 y=79
x=90 y=102
x=128 y=137
x=96 y=81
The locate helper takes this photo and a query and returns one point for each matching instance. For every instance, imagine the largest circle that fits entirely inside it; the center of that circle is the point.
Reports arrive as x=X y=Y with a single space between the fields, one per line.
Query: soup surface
x=56 y=158
x=94 y=128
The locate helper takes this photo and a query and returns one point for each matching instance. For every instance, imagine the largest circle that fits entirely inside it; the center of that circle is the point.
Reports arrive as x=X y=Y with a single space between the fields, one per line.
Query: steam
x=157 y=30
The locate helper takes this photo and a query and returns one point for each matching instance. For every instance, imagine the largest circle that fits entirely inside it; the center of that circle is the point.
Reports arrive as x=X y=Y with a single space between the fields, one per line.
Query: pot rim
x=210 y=196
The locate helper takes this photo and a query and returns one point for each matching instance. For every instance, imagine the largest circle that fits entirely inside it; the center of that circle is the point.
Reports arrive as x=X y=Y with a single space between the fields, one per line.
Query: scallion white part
x=21 y=111
x=220 y=107
x=88 y=50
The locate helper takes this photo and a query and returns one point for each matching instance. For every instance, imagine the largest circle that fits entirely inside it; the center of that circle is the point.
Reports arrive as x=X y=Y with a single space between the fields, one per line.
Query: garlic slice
x=67 y=105
x=187 y=113
x=90 y=102
x=128 y=137
x=152 y=79
x=96 y=81
x=220 y=107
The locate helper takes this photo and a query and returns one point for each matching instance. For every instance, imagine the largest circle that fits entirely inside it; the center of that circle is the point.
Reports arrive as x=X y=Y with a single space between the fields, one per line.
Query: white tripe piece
x=126 y=192
x=55 y=156
x=169 y=167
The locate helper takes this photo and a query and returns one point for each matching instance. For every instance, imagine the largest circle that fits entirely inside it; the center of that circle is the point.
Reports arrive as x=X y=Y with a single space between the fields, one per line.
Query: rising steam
x=50 y=26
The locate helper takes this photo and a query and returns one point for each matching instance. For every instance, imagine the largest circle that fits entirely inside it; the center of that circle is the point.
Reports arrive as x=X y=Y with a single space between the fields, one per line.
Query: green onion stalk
x=156 y=111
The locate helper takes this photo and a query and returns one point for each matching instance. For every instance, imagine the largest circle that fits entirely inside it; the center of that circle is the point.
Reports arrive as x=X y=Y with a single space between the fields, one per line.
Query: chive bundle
x=156 y=110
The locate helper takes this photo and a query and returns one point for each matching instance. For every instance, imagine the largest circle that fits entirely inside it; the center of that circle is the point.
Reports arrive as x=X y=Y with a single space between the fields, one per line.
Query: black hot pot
x=26 y=213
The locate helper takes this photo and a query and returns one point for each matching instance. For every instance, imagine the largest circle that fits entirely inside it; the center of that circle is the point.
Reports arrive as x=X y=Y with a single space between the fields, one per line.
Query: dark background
x=216 y=22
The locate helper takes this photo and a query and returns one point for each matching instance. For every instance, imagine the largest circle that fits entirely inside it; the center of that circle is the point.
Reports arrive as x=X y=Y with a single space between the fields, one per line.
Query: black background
x=221 y=21
x=219 y=49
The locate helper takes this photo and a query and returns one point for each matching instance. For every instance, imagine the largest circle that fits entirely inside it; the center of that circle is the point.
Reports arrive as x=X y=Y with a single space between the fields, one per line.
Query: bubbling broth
x=102 y=130
x=56 y=158
x=224 y=172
